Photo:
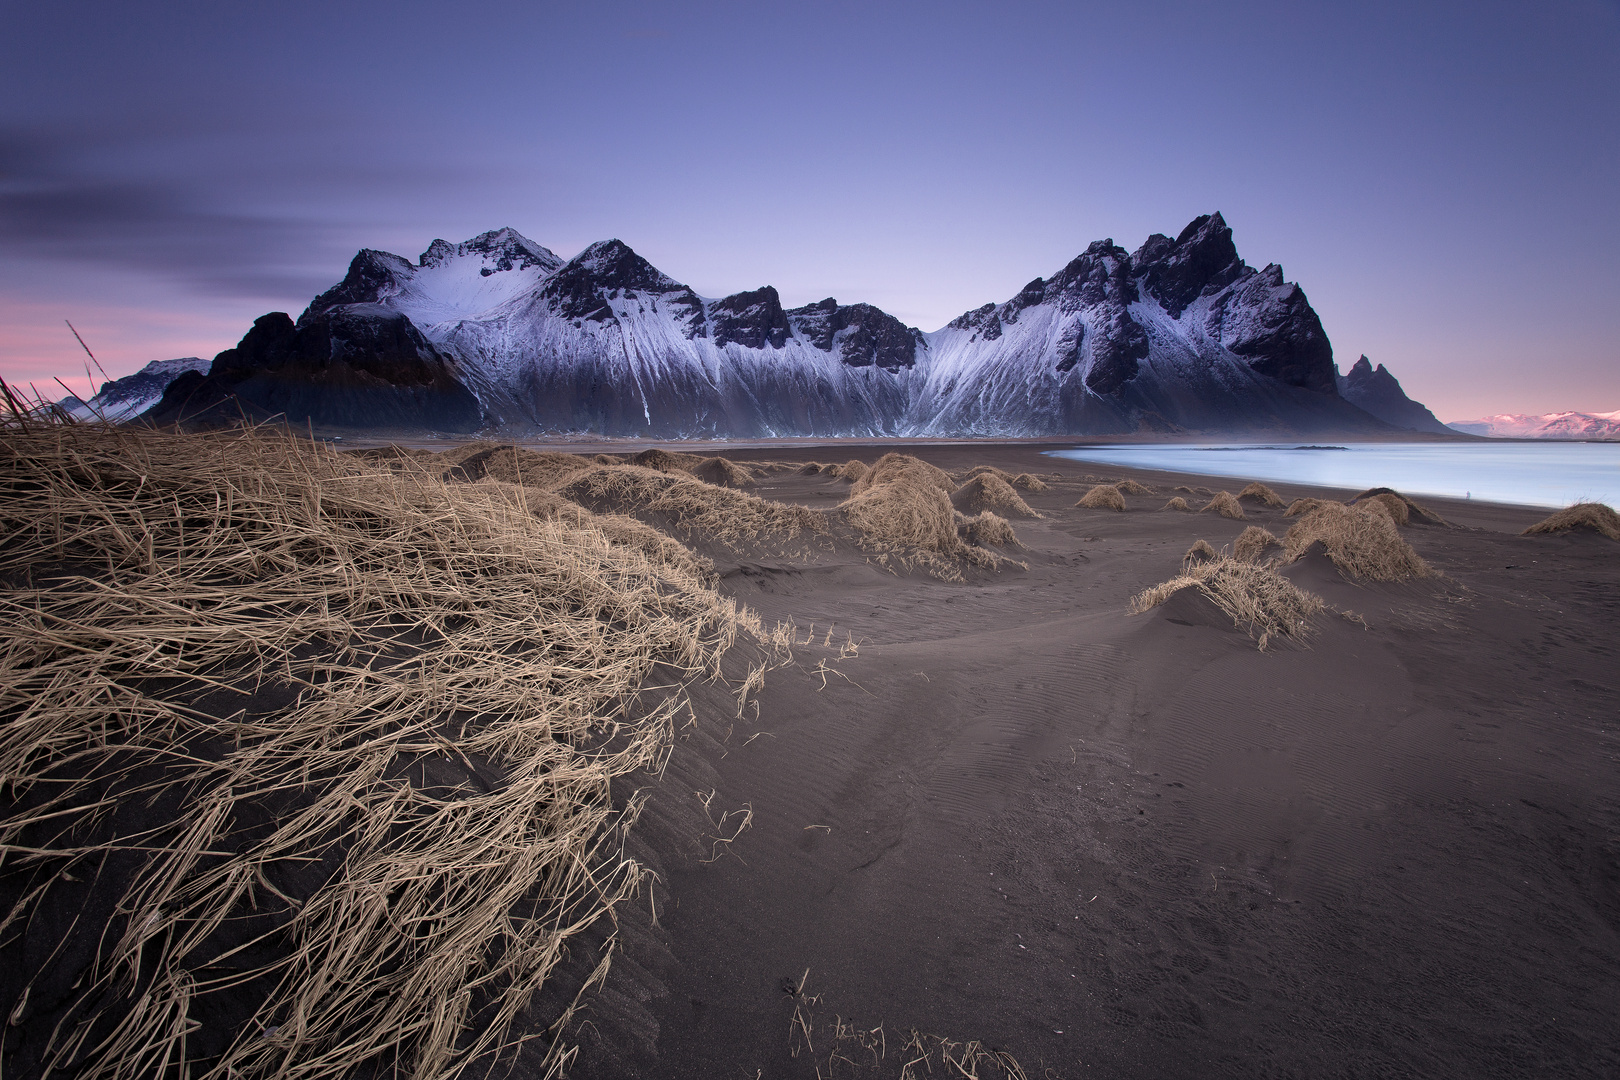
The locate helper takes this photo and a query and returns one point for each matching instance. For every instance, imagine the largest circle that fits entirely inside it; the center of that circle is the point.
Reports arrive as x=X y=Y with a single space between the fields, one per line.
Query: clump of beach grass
x=687 y=504
x=987 y=491
x=1590 y=516
x=1252 y=544
x=1199 y=552
x=722 y=472
x=1303 y=506
x=1362 y=543
x=852 y=470
x=987 y=527
x=1177 y=503
x=1128 y=486
x=902 y=507
x=1022 y=481
x=1102 y=497
x=1259 y=600
x=664 y=460
x=1389 y=504
x=1225 y=504
x=304 y=894
x=1260 y=493
x=1413 y=509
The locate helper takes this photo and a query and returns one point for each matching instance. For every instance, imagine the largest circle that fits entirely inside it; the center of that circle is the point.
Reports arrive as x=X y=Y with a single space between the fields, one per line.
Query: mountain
x=1559 y=425
x=126 y=398
x=500 y=333
x=1380 y=393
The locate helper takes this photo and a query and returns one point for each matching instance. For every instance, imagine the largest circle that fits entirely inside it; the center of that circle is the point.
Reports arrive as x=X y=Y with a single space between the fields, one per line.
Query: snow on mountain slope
x=1559 y=425
x=126 y=398
x=1181 y=335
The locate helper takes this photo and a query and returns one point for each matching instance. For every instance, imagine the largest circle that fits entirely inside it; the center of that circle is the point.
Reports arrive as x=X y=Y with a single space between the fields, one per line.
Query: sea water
x=1521 y=473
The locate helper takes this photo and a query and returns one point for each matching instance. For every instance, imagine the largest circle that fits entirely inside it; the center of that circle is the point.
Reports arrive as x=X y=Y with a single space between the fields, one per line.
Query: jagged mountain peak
x=503 y=249
x=1201 y=261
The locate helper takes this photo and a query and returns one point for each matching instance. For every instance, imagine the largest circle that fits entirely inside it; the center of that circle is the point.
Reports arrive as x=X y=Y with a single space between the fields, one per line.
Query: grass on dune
x=300 y=879
x=1102 y=497
x=1363 y=543
x=1225 y=504
x=1259 y=600
x=1589 y=516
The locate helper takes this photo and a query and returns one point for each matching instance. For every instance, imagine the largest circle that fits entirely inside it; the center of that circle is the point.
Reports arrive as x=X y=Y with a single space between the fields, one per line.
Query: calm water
x=1527 y=474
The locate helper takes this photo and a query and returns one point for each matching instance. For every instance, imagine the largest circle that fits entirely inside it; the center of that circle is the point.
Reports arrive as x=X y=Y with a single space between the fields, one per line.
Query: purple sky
x=1441 y=178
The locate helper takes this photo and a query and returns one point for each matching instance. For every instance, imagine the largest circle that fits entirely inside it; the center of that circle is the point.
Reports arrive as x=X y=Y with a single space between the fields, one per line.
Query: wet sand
x=1135 y=846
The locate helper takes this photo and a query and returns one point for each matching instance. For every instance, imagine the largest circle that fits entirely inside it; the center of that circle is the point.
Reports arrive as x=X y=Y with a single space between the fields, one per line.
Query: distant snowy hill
x=1559 y=425
x=499 y=333
x=123 y=399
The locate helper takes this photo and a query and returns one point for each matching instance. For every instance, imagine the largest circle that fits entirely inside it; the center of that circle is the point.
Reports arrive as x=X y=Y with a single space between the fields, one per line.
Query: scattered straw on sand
x=1362 y=542
x=382 y=859
x=1592 y=516
x=988 y=491
x=1131 y=487
x=1225 y=504
x=1102 y=497
x=1252 y=544
x=1177 y=503
x=1259 y=493
x=1259 y=600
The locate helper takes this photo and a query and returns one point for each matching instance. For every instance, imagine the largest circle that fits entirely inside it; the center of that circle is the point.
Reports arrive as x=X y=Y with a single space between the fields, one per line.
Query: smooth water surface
x=1522 y=473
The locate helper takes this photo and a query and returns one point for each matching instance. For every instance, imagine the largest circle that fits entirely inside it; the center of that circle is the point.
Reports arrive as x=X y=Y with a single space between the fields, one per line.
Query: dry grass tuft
x=1258 y=492
x=516 y=465
x=1414 y=510
x=1303 y=506
x=987 y=527
x=1131 y=487
x=722 y=472
x=852 y=470
x=1103 y=497
x=1362 y=542
x=1259 y=600
x=1177 y=503
x=1595 y=516
x=987 y=491
x=351 y=736
x=1392 y=505
x=1200 y=551
x=812 y=468
x=608 y=459
x=1225 y=504
x=1252 y=544
x=903 y=468
x=688 y=504
x=664 y=461
x=1029 y=482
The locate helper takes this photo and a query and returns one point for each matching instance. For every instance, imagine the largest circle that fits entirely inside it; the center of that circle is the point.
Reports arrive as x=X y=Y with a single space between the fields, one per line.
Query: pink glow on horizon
x=38 y=348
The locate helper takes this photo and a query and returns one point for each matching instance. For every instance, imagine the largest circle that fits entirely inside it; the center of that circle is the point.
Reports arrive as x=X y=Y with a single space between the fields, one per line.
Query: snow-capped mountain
x=1558 y=425
x=123 y=399
x=1380 y=393
x=1180 y=335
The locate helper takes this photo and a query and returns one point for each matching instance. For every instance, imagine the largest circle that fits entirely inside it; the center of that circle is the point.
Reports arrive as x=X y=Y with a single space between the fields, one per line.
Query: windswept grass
x=1131 y=487
x=349 y=735
x=687 y=504
x=1363 y=543
x=1260 y=493
x=1592 y=516
x=1102 y=497
x=1177 y=503
x=1259 y=600
x=902 y=507
x=988 y=491
x=1252 y=544
x=1225 y=504
x=987 y=527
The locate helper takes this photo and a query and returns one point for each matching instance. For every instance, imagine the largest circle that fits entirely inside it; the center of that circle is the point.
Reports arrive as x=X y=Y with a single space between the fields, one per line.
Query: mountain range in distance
x=500 y=335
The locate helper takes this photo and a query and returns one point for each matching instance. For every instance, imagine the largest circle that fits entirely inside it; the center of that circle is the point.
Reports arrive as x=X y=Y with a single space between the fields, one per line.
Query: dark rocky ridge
x=1380 y=393
x=1180 y=335
x=336 y=369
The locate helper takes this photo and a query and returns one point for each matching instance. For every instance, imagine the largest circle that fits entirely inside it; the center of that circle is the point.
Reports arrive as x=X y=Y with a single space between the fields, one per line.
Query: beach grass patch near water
x=1364 y=543
x=326 y=751
x=1587 y=516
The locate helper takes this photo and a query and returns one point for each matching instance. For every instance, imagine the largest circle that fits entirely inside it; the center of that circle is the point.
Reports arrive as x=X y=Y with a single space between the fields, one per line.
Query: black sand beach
x=1004 y=821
